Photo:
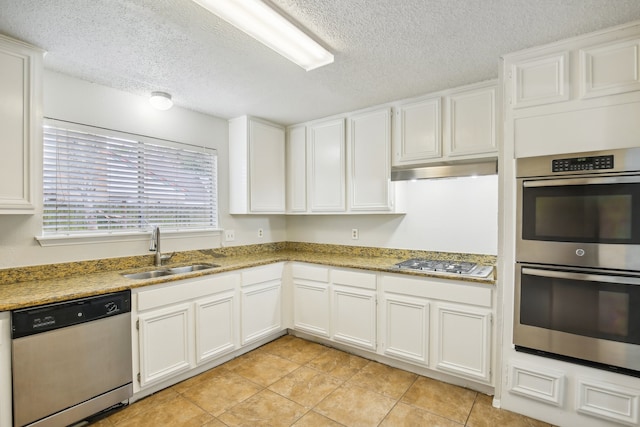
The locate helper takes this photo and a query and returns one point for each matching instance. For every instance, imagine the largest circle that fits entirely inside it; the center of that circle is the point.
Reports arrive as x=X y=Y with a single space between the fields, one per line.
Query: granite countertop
x=30 y=286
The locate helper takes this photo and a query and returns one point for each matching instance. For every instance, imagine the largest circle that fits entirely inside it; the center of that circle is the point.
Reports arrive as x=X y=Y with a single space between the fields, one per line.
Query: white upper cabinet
x=256 y=166
x=610 y=68
x=21 y=124
x=465 y=129
x=370 y=161
x=296 y=169
x=576 y=95
x=541 y=80
x=471 y=122
x=420 y=132
x=327 y=166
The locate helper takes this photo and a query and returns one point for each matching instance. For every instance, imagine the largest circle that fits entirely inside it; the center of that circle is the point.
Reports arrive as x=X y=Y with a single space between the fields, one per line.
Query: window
x=98 y=181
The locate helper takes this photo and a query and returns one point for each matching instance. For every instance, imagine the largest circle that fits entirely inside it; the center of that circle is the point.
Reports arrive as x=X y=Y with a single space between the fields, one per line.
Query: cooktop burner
x=446 y=267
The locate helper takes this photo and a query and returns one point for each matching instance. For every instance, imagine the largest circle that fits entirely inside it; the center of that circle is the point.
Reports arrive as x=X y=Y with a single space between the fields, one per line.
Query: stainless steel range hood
x=445 y=170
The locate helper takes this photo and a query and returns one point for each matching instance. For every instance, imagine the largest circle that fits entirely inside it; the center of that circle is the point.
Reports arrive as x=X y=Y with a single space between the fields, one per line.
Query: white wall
x=450 y=215
x=67 y=98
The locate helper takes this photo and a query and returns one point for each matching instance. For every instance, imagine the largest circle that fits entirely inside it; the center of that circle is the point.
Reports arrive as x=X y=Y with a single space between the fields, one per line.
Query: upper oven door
x=589 y=221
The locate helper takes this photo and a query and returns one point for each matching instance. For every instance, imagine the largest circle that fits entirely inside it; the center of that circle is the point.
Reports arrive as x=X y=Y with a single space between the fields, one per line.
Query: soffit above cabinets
x=384 y=51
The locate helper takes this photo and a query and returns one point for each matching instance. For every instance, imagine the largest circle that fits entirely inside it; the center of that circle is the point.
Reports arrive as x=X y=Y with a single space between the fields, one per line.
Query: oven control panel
x=582 y=163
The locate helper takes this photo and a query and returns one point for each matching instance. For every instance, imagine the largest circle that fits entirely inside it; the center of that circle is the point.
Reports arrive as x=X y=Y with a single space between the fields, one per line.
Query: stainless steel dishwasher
x=71 y=359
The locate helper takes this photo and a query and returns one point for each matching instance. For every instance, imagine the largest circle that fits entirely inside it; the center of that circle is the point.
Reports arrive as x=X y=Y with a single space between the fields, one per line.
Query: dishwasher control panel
x=33 y=320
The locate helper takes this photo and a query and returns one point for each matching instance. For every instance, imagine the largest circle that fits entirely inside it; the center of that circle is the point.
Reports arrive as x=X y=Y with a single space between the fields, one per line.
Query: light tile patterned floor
x=294 y=382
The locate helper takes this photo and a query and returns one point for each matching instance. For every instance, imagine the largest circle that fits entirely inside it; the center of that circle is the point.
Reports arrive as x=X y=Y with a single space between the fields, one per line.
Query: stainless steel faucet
x=155 y=246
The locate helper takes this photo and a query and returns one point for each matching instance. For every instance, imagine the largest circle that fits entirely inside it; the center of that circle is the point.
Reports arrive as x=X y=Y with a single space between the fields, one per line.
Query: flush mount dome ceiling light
x=161 y=100
x=268 y=27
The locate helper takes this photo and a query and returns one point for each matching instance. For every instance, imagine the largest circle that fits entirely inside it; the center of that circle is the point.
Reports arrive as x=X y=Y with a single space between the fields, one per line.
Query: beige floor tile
x=383 y=379
x=403 y=415
x=484 y=414
x=183 y=386
x=338 y=363
x=298 y=350
x=442 y=399
x=104 y=422
x=263 y=409
x=214 y=423
x=306 y=386
x=144 y=405
x=313 y=419
x=265 y=369
x=173 y=413
x=241 y=360
x=355 y=406
x=221 y=392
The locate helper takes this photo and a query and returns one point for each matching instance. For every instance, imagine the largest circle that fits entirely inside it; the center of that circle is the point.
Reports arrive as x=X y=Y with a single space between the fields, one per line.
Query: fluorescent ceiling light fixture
x=268 y=27
x=161 y=100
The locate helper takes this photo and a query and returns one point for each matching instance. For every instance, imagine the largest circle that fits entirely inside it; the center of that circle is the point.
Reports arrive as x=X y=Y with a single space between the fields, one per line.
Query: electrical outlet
x=260 y=232
x=229 y=235
x=354 y=233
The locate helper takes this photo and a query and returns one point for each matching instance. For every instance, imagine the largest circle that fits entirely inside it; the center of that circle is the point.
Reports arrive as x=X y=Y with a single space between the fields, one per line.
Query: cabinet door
x=370 y=162
x=327 y=166
x=471 y=123
x=311 y=307
x=405 y=325
x=463 y=341
x=540 y=81
x=215 y=326
x=261 y=313
x=20 y=67
x=296 y=169
x=419 y=132
x=354 y=316
x=165 y=343
x=266 y=167
x=610 y=69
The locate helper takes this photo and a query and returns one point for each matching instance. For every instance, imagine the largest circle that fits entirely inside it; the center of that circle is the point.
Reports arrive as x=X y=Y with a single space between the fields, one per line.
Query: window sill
x=83 y=239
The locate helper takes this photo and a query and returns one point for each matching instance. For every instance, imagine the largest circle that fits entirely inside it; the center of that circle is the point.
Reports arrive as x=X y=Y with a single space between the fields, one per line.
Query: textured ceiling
x=384 y=50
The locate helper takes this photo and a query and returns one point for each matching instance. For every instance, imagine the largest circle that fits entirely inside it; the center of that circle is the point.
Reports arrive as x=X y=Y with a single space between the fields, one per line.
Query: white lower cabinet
x=184 y=324
x=405 y=328
x=438 y=323
x=311 y=299
x=215 y=326
x=353 y=307
x=463 y=337
x=261 y=302
x=166 y=345
x=5 y=369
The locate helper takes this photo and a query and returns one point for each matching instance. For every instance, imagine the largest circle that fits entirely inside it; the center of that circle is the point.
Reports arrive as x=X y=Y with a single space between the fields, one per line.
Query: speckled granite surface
x=29 y=286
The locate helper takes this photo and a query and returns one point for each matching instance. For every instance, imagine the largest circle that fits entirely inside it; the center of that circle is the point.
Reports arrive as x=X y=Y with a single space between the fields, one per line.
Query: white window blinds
x=101 y=181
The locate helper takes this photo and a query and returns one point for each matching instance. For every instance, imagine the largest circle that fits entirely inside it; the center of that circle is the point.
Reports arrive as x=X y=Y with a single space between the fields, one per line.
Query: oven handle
x=582 y=181
x=624 y=280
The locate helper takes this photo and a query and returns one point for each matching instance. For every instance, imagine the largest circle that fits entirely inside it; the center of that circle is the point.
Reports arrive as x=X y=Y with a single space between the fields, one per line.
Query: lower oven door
x=589 y=315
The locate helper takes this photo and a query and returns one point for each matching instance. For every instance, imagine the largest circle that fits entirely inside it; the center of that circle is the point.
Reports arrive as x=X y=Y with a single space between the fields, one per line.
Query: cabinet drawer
x=440 y=289
x=310 y=272
x=186 y=290
x=262 y=274
x=354 y=278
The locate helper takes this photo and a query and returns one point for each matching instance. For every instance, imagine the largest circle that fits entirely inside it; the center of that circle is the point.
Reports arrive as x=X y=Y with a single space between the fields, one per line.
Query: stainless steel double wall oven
x=578 y=258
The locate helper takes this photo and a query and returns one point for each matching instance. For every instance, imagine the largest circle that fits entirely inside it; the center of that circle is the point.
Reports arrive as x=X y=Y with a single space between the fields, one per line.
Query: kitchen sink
x=169 y=271
x=190 y=268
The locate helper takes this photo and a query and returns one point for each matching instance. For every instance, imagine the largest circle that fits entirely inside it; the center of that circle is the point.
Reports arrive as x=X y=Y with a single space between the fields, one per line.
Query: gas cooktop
x=456 y=268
